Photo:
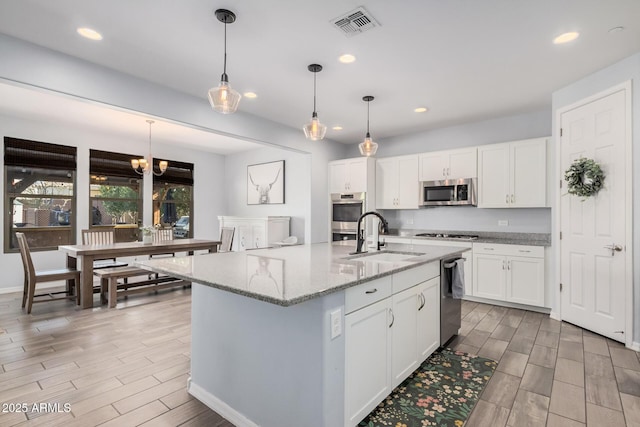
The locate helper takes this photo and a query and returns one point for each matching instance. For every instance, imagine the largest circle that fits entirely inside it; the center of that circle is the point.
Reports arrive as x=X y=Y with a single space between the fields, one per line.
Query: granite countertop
x=533 y=239
x=293 y=274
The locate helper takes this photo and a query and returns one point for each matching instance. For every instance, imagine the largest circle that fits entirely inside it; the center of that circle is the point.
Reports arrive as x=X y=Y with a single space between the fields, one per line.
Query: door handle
x=614 y=248
x=423 y=301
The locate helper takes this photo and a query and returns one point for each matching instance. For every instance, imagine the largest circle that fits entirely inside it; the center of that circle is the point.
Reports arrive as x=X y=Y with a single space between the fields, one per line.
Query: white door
x=489 y=278
x=433 y=166
x=428 y=318
x=592 y=275
x=493 y=176
x=367 y=359
x=404 y=353
x=338 y=177
x=408 y=188
x=463 y=164
x=528 y=173
x=525 y=280
x=357 y=175
x=386 y=183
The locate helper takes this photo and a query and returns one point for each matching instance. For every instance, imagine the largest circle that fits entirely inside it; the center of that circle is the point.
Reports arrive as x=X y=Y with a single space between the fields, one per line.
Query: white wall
x=522 y=126
x=208 y=178
x=627 y=69
x=297 y=183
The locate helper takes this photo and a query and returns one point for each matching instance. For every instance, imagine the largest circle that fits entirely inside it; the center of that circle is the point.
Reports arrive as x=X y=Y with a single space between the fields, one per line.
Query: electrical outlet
x=503 y=223
x=336 y=323
x=410 y=220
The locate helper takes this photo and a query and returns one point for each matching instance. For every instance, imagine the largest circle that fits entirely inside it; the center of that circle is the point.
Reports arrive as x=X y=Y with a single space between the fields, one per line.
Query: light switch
x=336 y=323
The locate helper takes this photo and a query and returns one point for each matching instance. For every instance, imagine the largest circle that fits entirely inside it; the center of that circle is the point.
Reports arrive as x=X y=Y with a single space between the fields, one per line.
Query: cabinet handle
x=508 y=265
x=522 y=250
x=448 y=171
x=443 y=172
x=507 y=198
x=513 y=198
x=504 y=264
x=393 y=318
x=488 y=249
x=372 y=291
x=423 y=301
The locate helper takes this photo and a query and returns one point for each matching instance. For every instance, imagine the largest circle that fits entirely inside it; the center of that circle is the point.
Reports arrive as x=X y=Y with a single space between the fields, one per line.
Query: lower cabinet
x=510 y=273
x=391 y=326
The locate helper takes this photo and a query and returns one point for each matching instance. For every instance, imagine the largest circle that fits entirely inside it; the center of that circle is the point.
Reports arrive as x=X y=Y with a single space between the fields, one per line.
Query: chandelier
x=143 y=165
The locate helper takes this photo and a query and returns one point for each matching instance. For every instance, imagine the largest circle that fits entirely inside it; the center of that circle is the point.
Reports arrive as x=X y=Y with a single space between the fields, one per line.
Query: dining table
x=82 y=256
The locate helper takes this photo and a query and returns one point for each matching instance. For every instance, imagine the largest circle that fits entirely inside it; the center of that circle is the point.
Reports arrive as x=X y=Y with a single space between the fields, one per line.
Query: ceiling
x=464 y=60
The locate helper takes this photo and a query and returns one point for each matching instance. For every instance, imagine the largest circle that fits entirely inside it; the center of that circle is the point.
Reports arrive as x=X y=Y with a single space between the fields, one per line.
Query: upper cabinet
x=512 y=174
x=451 y=164
x=397 y=183
x=351 y=175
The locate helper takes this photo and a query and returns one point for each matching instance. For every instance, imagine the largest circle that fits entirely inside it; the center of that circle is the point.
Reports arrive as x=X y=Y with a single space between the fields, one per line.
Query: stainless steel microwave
x=449 y=192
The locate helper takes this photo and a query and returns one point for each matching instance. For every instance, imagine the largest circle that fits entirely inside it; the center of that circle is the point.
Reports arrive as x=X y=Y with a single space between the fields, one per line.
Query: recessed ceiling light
x=250 y=95
x=89 y=33
x=566 y=37
x=346 y=58
x=337 y=128
x=421 y=110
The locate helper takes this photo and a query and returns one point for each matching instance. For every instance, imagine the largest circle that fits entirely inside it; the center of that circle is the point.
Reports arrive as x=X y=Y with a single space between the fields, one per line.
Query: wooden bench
x=110 y=287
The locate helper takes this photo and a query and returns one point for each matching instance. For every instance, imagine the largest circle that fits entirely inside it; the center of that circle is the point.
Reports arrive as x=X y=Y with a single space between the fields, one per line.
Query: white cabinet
x=368 y=360
x=392 y=324
x=351 y=175
x=512 y=273
x=466 y=256
x=450 y=164
x=512 y=174
x=253 y=233
x=397 y=183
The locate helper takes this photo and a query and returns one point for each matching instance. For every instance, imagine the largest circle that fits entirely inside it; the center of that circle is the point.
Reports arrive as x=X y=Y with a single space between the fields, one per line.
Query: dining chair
x=226 y=239
x=33 y=277
x=162 y=235
x=102 y=237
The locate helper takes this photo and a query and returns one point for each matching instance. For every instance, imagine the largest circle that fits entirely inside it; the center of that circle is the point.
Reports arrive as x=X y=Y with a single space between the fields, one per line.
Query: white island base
x=260 y=364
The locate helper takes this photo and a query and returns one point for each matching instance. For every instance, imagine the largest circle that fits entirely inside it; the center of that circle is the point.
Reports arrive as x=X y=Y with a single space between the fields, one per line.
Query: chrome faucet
x=360 y=233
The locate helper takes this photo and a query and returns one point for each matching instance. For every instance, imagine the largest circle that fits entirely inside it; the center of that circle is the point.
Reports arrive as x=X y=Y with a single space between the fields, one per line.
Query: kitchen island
x=304 y=335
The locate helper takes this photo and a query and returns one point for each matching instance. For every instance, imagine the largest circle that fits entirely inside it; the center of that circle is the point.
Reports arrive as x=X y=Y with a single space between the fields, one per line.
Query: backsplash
x=469 y=218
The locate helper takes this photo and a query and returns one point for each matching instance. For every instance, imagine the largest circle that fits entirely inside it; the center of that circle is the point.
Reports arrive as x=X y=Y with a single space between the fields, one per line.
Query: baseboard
x=226 y=411
x=555 y=315
x=40 y=286
x=543 y=310
x=635 y=346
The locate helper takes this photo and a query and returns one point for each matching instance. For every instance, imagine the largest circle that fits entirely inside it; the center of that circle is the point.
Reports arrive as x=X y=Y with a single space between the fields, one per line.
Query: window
x=173 y=198
x=115 y=194
x=39 y=193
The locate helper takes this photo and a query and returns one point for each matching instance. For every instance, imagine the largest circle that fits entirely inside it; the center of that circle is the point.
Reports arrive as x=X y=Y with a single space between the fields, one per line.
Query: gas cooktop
x=448 y=236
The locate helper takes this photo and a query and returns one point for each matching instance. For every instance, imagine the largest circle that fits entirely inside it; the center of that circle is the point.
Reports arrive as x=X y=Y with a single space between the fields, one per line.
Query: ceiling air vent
x=355 y=22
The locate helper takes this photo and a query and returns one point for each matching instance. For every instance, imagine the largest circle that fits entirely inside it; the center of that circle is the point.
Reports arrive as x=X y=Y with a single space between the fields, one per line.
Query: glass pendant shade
x=368 y=147
x=315 y=130
x=223 y=98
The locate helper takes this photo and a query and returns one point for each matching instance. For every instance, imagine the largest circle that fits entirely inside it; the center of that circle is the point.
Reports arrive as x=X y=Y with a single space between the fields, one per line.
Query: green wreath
x=585 y=177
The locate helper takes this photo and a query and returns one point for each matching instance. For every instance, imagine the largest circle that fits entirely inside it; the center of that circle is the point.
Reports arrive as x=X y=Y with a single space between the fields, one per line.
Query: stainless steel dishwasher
x=450 y=308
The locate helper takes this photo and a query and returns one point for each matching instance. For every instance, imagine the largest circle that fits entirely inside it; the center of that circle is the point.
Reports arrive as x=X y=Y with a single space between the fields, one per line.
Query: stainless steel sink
x=386 y=256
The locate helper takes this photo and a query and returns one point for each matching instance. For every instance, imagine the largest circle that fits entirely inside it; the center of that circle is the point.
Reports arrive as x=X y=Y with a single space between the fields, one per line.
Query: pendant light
x=144 y=166
x=314 y=130
x=368 y=147
x=223 y=99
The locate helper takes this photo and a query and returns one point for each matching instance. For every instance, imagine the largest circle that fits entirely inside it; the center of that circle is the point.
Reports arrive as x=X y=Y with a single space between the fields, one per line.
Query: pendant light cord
x=314 y=91
x=224 y=69
x=368 y=102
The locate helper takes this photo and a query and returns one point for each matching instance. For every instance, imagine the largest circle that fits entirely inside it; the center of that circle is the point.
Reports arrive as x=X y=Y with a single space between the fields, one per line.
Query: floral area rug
x=441 y=392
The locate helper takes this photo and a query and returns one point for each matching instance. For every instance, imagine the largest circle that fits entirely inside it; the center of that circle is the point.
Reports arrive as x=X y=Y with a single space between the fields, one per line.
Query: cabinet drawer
x=408 y=278
x=367 y=293
x=508 y=250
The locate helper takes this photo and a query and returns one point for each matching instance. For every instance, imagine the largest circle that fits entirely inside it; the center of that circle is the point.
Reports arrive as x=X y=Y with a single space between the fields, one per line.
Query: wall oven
x=346 y=208
x=449 y=192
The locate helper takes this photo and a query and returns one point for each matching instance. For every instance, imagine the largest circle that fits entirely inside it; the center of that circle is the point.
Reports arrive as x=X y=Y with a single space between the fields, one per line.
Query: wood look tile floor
x=128 y=366
x=549 y=373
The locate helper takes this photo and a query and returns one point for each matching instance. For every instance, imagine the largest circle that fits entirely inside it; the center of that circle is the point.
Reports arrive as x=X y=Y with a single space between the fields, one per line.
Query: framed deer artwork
x=265 y=183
